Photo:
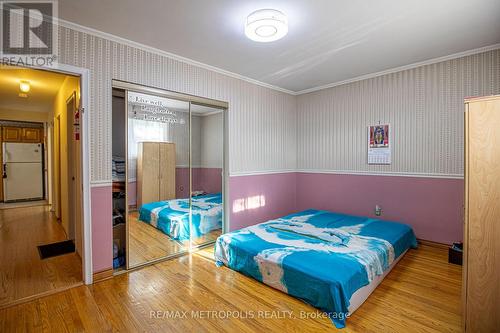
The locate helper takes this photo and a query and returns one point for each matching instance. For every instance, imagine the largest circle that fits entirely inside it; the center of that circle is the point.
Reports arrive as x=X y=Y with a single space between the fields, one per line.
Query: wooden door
x=1 y=165
x=167 y=171
x=58 y=164
x=483 y=217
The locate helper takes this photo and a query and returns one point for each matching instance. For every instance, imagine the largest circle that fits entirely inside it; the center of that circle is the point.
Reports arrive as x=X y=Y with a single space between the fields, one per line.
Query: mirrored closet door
x=207 y=156
x=174 y=173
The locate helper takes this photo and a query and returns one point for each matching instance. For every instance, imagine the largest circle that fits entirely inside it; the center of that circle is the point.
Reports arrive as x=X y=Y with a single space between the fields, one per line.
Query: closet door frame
x=127 y=87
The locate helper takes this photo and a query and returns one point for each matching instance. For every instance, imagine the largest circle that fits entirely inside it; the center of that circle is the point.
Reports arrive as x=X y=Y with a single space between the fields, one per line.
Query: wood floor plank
x=147 y=243
x=22 y=272
x=421 y=294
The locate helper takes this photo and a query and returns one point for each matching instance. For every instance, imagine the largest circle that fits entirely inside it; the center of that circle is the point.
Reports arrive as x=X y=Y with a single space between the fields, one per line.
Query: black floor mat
x=56 y=249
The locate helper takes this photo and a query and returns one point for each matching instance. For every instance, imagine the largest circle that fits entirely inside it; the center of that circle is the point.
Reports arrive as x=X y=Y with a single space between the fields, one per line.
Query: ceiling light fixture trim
x=266 y=25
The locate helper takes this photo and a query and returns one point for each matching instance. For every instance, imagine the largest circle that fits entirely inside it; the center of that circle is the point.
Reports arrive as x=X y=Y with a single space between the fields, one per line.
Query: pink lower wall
x=132 y=193
x=432 y=206
x=102 y=230
x=255 y=199
x=208 y=180
x=182 y=182
x=277 y=191
x=204 y=179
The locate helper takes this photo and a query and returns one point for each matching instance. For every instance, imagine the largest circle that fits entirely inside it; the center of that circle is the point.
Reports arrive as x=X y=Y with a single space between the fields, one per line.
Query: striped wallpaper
x=424 y=106
x=262 y=121
x=323 y=131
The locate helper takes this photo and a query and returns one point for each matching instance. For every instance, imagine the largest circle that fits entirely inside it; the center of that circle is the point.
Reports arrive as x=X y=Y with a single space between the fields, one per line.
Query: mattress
x=331 y=261
x=361 y=295
x=172 y=217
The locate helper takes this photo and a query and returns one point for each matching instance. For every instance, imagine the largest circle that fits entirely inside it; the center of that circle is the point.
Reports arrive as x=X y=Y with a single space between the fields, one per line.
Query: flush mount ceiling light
x=24 y=86
x=266 y=25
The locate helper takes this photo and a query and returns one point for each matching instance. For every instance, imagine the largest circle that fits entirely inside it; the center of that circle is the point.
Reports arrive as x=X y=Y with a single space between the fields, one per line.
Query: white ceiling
x=328 y=41
x=44 y=88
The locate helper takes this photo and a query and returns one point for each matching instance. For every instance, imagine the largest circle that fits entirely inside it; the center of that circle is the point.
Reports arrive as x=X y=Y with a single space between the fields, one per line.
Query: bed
x=172 y=216
x=331 y=261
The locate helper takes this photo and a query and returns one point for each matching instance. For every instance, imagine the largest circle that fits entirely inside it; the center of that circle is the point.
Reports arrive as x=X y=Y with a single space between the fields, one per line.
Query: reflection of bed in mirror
x=172 y=217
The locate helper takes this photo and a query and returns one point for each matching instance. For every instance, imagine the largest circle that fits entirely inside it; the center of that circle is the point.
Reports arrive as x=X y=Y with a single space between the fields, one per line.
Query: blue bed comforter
x=172 y=216
x=318 y=256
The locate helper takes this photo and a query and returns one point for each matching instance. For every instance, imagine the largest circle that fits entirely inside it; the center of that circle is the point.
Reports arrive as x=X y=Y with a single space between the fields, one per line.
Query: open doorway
x=41 y=188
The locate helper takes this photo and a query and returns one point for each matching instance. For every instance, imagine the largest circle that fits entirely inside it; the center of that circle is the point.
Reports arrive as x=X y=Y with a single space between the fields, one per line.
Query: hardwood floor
x=147 y=243
x=421 y=294
x=22 y=272
x=207 y=238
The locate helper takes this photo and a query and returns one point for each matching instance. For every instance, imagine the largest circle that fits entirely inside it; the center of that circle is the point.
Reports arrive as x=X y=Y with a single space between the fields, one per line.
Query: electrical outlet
x=378 y=210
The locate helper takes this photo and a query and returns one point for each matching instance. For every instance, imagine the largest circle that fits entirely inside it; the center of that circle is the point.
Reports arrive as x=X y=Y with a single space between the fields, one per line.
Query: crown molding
x=402 y=68
x=173 y=56
x=121 y=40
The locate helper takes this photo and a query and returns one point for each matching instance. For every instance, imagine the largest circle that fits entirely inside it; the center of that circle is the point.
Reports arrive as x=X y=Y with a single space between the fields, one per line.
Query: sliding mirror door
x=158 y=187
x=207 y=162
x=174 y=167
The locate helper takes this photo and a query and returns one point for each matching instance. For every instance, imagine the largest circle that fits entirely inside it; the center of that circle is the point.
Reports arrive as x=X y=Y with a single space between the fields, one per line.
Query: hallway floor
x=22 y=273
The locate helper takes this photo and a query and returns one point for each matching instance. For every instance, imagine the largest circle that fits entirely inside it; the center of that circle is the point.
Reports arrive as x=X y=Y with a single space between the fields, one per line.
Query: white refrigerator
x=22 y=171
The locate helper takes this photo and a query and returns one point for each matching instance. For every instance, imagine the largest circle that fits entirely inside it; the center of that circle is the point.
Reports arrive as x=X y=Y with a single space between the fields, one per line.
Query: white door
x=22 y=152
x=23 y=181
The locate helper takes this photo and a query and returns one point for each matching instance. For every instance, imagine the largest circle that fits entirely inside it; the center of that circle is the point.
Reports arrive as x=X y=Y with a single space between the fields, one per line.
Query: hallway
x=22 y=273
